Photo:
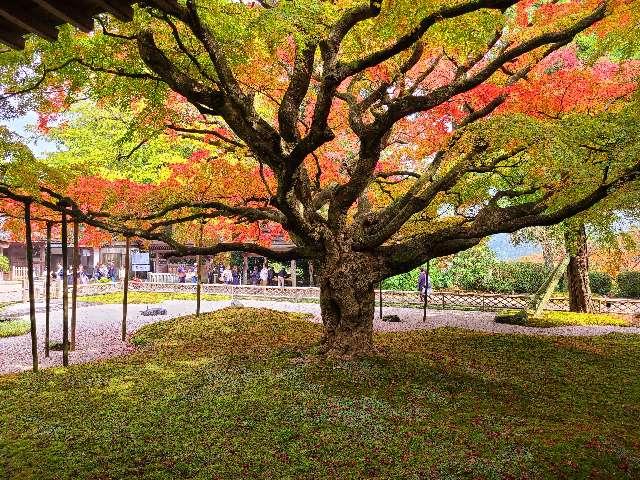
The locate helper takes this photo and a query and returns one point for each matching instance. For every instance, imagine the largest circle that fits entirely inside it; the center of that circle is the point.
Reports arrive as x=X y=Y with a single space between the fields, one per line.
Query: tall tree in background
x=372 y=139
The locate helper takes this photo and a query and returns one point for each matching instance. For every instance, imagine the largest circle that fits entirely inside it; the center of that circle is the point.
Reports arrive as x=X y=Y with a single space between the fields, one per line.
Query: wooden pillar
x=74 y=291
x=199 y=272
x=65 y=293
x=126 y=289
x=47 y=293
x=32 y=300
x=311 y=280
x=426 y=295
x=245 y=269
x=380 y=298
x=294 y=277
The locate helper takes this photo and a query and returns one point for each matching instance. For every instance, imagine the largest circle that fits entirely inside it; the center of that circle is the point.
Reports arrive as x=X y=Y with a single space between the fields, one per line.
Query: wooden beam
x=27 y=20
x=68 y=12
x=10 y=35
x=120 y=9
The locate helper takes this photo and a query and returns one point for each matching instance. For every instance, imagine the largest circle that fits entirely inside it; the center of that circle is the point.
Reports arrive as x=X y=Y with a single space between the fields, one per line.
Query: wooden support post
x=47 y=294
x=126 y=289
x=294 y=276
x=74 y=290
x=32 y=300
x=245 y=269
x=199 y=271
x=65 y=293
x=380 y=297
x=426 y=295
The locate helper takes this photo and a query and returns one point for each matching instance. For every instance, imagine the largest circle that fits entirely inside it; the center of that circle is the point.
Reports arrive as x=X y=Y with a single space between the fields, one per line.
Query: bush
x=4 y=264
x=601 y=283
x=409 y=281
x=518 y=277
x=629 y=284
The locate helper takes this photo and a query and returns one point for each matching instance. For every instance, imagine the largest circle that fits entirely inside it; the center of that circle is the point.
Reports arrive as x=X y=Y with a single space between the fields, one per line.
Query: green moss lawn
x=148 y=297
x=564 y=319
x=14 y=327
x=236 y=394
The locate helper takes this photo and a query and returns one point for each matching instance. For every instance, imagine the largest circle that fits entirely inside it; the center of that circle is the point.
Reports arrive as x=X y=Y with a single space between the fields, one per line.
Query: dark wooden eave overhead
x=43 y=17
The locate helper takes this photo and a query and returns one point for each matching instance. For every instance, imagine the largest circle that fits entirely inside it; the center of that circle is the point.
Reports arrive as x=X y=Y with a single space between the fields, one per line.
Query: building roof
x=43 y=17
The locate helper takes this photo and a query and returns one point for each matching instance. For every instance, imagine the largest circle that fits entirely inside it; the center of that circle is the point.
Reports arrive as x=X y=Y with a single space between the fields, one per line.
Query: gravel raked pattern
x=98 y=328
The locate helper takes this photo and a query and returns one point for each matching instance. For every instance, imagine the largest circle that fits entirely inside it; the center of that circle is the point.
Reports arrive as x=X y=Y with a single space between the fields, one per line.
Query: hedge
x=601 y=283
x=629 y=284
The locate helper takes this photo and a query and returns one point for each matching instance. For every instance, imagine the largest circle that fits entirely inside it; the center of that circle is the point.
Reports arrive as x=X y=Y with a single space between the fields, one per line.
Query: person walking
x=182 y=275
x=424 y=284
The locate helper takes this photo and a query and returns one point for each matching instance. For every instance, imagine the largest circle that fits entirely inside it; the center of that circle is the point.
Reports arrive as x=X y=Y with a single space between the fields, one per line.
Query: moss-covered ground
x=148 y=297
x=240 y=394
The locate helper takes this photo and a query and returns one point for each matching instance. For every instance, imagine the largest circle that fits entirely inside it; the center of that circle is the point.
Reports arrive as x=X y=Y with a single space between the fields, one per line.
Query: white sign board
x=140 y=262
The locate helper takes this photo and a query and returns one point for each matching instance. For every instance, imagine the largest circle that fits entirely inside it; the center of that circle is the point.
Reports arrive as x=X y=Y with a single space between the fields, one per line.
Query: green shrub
x=4 y=264
x=518 y=277
x=409 y=281
x=512 y=317
x=601 y=283
x=629 y=284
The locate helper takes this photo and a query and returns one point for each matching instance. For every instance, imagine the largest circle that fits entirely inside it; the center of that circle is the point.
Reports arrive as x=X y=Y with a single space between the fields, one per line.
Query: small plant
x=56 y=346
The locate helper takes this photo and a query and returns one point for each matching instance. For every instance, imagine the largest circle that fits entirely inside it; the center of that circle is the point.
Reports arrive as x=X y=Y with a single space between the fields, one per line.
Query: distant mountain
x=505 y=250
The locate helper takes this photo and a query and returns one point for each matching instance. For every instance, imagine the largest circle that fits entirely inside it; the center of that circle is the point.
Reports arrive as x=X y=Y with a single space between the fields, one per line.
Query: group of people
x=267 y=276
x=102 y=270
x=232 y=274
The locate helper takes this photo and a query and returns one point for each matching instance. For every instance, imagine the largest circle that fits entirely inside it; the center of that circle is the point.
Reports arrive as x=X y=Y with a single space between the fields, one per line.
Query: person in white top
x=227 y=276
x=264 y=275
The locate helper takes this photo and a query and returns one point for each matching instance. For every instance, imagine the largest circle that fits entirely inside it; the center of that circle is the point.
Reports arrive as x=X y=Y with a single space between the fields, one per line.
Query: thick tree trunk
x=347 y=304
x=578 y=271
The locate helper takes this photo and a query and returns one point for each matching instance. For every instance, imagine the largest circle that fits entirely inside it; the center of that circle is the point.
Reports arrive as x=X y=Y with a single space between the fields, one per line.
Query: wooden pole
x=199 y=272
x=65 y=293
x=32 y=299
x=47 y=294
x=380 y=298
x=74 y=290
x=126 y=289
x=426 y=295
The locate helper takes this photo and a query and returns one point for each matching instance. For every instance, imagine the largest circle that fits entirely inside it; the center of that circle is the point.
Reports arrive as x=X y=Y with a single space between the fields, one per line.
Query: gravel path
x=98 y=328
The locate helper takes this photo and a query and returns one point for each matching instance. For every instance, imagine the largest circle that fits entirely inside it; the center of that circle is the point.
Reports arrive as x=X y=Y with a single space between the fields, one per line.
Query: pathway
x=98 y=328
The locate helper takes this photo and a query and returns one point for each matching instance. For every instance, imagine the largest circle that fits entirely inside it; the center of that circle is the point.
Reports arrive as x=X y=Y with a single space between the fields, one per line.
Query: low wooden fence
x=445 y=300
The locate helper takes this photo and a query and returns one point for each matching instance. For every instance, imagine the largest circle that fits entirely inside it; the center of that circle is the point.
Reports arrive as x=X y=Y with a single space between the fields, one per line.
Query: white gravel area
x=98 y=328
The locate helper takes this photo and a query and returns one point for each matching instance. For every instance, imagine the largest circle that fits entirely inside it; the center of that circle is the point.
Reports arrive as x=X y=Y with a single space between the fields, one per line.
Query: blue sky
x=38 y=145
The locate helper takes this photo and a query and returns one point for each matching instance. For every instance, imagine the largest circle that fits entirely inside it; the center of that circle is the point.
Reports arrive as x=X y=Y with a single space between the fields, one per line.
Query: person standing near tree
x=422 y=283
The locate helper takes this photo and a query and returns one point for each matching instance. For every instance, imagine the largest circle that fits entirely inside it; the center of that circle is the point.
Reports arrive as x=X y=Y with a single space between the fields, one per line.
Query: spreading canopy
x=407 y=131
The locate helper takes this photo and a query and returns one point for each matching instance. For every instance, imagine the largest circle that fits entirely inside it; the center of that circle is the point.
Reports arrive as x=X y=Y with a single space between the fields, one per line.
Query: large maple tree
x=373 y=137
